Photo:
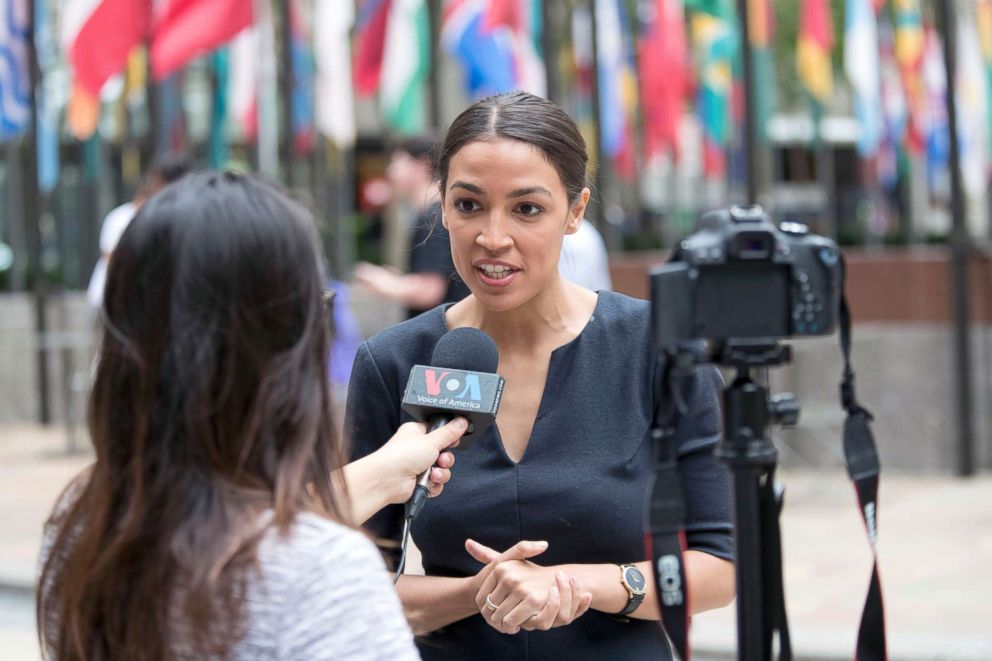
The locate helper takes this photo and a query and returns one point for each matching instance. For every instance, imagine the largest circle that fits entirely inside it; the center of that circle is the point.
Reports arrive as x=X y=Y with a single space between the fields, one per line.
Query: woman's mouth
x=497 y=275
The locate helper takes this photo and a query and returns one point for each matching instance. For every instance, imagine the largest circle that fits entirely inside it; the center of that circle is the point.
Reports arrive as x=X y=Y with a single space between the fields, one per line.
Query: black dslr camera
x=732 y=290
x=739 y=277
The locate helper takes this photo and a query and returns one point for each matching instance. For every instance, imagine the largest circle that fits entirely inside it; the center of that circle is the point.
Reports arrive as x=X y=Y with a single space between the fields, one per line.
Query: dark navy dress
x=582 y=483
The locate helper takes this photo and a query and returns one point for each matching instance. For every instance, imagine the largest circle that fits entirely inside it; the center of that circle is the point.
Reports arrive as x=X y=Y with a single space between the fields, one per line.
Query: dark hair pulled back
x=525 y=118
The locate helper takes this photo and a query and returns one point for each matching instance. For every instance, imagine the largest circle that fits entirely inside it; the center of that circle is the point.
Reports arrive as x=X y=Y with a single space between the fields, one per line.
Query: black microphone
x=460 y=381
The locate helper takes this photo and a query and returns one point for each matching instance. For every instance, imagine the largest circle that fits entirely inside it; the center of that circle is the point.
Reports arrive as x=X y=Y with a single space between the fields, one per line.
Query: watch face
x=635 y=579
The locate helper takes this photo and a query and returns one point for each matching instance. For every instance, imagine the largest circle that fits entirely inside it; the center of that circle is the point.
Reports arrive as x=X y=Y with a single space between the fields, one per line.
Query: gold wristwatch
x=633 y=581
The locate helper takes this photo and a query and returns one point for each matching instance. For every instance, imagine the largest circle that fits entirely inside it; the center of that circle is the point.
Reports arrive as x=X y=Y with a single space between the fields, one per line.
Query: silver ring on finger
x=489 y=603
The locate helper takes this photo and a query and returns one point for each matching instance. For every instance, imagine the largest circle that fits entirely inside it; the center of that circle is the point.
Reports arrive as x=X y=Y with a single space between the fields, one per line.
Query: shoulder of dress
x=409 y=338
x=623 y=308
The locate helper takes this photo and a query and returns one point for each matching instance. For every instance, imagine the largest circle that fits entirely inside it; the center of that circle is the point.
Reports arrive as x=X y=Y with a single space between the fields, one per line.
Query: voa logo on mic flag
x=458 y=385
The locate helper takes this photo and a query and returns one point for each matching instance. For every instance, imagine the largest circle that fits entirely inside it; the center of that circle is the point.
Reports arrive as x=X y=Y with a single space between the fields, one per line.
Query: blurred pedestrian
x=214 y=520
x=584 y=259
x=163 y=172
x=431 y=278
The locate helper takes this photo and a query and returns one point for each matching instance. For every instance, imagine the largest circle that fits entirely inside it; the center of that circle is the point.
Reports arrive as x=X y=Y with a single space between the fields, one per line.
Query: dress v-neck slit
x=556 y=352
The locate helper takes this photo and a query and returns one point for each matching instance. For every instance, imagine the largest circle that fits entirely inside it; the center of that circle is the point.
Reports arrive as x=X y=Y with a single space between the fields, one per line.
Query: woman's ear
x=577 y=212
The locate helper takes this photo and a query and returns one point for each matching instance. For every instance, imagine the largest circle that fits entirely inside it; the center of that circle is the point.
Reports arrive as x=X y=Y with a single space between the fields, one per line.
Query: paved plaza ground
x=935 y=544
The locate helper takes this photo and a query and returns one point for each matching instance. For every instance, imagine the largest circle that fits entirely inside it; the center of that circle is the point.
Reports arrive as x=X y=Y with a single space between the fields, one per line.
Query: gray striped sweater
x=321 y=592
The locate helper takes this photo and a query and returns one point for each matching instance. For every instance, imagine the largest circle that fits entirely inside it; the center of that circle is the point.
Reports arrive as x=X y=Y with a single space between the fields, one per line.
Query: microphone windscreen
x=466 y=349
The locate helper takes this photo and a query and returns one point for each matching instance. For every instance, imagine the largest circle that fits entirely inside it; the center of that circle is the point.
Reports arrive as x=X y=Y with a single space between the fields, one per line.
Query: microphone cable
x=403 y=548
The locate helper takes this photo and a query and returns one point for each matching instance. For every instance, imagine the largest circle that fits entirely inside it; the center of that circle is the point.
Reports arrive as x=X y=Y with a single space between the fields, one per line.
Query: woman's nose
x=494 y=236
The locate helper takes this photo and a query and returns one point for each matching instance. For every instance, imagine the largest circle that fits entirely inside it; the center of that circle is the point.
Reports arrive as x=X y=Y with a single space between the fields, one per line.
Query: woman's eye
x=466 y=206
x=528 y=209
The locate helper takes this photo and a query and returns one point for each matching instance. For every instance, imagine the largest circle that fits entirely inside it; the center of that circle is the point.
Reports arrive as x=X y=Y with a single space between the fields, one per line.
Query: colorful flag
x=486 y=55
x=983 y=10
x=579 y=78
x=48 y=98
x=370 y=28
x=612 y=118
x=184 y=29
x=714 y=47
x=405 y=64
x=909 y=43
x=934 y=128
x=217 y=143
x=761 y=29
x=665 y=76
x=97 y=36
x=15 y=98
x=243 y=83
x=494 y=40
x=717 y=8
x=335 y=106
x=302 y=66
x=816 y=40
x=861 y=64
x=171 y=115
x=972 y=106
x=522 y=19
x=894 y=108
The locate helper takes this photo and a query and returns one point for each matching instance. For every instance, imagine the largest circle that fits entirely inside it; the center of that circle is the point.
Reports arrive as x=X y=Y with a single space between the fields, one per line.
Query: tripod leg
x=772 y=496
x=747 y=524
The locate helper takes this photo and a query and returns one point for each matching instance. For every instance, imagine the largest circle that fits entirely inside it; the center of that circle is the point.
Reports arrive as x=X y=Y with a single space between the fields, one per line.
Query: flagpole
x=268 y=129
x=285 y=84
x=433 y=80
x=548 y=24
x=151 y=94
x=600 y=178
x=960 y=245
x=639 y=150
x=33 y=216
x=749 y=139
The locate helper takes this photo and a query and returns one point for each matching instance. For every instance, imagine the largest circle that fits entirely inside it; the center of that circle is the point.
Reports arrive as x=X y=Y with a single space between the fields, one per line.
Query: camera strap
x=665 y=541
x=863 y=467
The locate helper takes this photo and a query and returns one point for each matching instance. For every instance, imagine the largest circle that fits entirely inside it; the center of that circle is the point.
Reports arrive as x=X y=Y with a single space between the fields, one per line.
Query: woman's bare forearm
x=432 y=602
x=711 y=585
x=368 y=491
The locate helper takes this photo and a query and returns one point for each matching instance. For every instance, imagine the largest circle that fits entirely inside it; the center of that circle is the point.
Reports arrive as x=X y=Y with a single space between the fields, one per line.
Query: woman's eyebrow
x=471 y=188
x=530 y=190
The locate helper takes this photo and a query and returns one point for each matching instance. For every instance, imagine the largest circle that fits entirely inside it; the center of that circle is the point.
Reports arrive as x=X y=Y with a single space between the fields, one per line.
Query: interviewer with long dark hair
x=213 y=522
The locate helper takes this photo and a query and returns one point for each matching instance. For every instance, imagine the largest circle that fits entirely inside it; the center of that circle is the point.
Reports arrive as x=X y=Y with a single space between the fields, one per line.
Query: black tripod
x=749 y=453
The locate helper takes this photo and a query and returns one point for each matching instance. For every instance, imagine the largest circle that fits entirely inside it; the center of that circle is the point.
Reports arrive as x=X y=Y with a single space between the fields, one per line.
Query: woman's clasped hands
x=516 y=594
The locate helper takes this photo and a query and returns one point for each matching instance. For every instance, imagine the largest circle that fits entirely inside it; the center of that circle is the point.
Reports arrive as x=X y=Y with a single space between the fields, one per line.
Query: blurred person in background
x=584 y=259
x=215 y=519
x=431 y=278
x=162 y=173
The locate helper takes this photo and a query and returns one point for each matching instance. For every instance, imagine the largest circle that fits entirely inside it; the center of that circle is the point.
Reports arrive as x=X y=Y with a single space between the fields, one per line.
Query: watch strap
x=633 y=599
x=632 y=603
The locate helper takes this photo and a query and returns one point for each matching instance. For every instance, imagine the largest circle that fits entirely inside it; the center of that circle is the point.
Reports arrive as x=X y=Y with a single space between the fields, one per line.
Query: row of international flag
x=668 y=58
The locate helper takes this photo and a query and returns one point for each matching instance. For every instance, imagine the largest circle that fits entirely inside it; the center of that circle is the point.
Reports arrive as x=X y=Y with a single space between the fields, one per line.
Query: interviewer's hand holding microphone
x=389 y=475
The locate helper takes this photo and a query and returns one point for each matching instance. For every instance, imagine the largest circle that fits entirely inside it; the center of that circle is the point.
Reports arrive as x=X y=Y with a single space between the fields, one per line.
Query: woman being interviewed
x=209 y=524
x=569 y=461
